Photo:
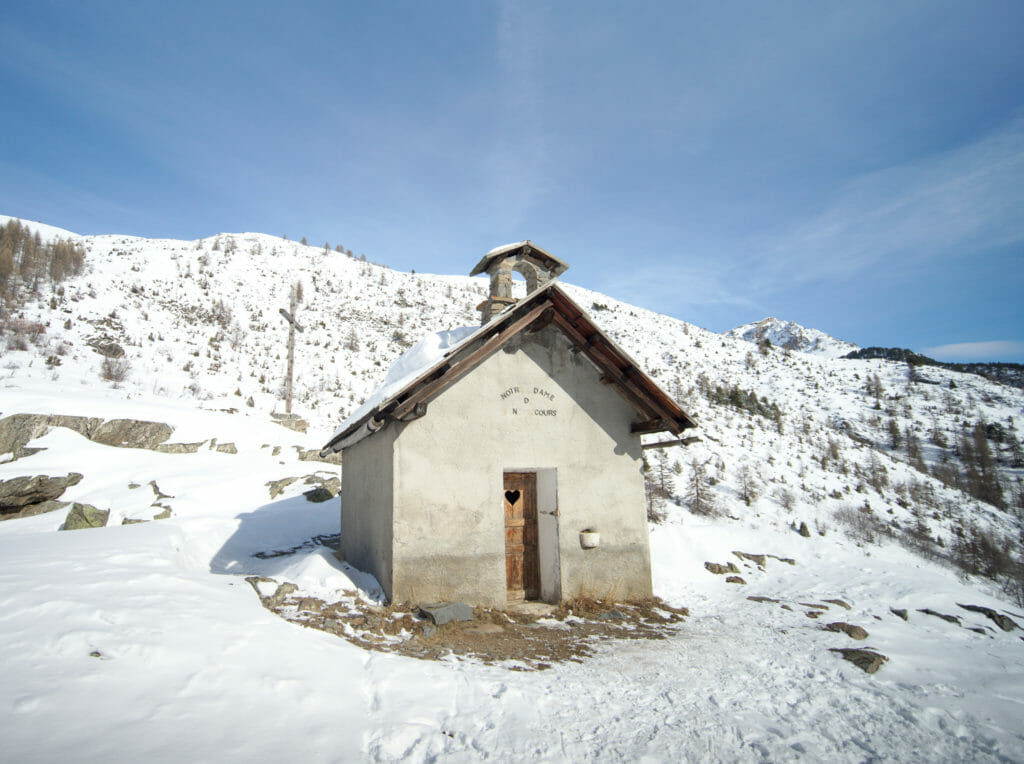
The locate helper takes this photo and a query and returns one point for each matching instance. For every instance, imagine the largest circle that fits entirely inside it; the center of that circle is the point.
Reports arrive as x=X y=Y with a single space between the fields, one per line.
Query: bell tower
x=536 y=266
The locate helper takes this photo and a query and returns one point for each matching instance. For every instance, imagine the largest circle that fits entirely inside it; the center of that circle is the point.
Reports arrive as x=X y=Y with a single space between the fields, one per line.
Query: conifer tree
x=895 y=437
x=914 y=455
x=988 y=486
x=699 y=499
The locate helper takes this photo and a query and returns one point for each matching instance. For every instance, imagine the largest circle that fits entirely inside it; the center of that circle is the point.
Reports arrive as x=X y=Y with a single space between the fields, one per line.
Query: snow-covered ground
x=144 y=640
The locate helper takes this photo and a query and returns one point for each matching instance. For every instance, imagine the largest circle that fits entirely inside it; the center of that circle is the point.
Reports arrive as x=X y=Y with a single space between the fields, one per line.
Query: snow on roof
x=505 y=248
x=411 y=364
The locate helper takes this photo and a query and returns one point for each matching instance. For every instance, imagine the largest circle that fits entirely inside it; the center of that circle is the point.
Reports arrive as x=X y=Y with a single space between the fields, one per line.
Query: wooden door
x=522 y=561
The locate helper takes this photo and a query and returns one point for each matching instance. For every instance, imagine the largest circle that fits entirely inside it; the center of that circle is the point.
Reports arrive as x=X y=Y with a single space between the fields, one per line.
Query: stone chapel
x=510 y=466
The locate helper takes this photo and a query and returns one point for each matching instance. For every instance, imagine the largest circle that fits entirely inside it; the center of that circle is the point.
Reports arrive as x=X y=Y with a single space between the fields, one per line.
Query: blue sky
x=854 y=167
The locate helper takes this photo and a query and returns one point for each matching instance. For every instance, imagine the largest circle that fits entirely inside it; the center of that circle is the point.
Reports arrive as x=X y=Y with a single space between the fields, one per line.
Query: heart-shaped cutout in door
x=512 y=497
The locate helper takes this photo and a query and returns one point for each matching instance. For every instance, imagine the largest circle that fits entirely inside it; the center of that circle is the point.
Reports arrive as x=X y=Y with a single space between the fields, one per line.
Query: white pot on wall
x=590 y=538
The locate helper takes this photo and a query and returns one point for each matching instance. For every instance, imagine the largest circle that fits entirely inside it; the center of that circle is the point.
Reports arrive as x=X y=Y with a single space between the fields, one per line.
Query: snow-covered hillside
x=789 y=335
x=144 y=640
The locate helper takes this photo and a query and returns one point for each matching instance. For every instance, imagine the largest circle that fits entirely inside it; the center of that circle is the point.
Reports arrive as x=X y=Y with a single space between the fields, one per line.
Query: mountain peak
x=792 y=336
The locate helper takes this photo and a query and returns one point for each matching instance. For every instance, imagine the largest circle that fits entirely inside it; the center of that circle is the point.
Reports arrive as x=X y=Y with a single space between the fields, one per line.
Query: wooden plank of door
x=531 y=553
x=522 y=560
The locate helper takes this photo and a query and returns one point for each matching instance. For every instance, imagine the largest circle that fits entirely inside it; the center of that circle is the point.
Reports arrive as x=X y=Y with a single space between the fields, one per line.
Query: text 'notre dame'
x=525 y=400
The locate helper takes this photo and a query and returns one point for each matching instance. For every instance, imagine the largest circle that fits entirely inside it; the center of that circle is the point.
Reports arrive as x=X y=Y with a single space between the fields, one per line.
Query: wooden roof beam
x=636 y=397
x=645 y=428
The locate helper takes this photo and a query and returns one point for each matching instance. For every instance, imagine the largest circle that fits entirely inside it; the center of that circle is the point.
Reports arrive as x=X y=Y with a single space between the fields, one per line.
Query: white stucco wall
x=535 y=406
x=366 y=502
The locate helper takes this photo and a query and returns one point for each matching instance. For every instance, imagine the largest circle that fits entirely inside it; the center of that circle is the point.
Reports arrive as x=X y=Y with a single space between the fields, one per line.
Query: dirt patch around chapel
x=528 y=637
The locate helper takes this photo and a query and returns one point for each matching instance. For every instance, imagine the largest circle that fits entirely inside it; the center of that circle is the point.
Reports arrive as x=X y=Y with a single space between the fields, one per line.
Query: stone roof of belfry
x=548 y=305
x=524 y=249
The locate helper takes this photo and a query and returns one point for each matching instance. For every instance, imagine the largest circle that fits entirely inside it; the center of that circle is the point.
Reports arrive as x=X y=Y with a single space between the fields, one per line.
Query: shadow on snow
x=269 y=538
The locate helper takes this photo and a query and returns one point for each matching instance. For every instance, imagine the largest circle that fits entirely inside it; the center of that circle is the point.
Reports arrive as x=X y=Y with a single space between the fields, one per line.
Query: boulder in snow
x=867 y=660
x=851 y=630
x=85 y=516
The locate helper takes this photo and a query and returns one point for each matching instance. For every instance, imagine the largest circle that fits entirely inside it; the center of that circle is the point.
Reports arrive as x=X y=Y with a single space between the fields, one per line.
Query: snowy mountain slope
x=791 y=336
x=183 y=641
x=198 y=322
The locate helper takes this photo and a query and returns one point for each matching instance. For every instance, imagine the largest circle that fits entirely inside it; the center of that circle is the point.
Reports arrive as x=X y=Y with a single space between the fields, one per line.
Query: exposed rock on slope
x=131 y=433
x=18 y=429
x=21 y=496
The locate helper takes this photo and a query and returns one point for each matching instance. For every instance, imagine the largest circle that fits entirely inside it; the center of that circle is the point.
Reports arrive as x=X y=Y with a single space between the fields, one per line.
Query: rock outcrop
x=1004 y=622
x=21 y=493
x=291 y=421
x=178 y=448
x=17 y=430
x=132 y=433
x=35 y=509
x=277 y=486
x=719 y=569
x=326 y=488
x=943 y=616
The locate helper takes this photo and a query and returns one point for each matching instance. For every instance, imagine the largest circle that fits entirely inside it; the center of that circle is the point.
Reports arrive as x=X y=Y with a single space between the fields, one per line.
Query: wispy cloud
x=943 y=206
x=991 y=350
x=666 y=288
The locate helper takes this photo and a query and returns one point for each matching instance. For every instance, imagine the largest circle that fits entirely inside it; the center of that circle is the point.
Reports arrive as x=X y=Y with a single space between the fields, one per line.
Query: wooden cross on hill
x=294 y=298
